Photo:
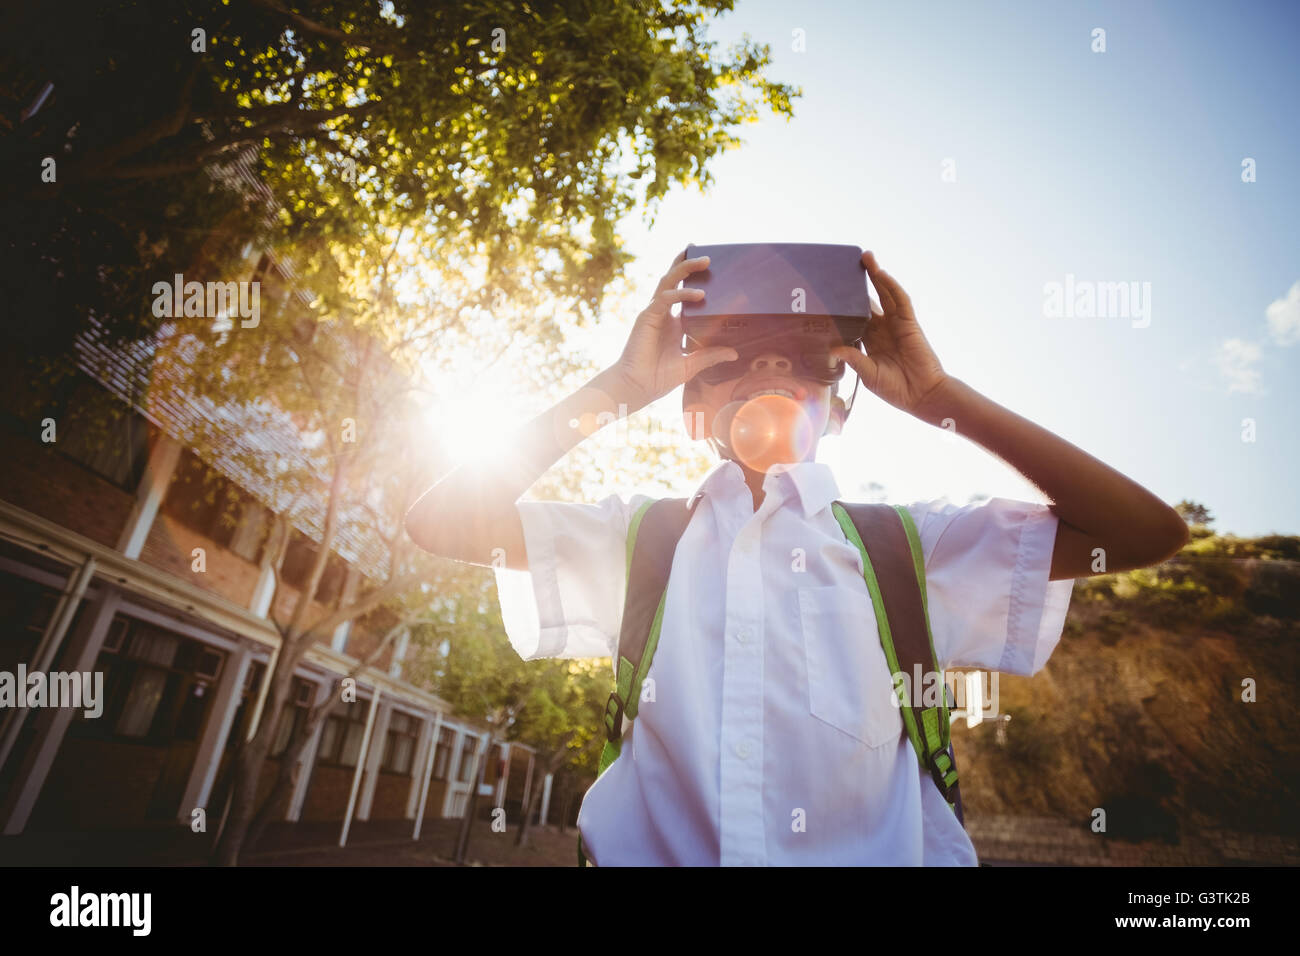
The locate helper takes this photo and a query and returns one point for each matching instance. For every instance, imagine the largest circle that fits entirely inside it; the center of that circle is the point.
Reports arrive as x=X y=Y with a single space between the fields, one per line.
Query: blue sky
x=1115 y=166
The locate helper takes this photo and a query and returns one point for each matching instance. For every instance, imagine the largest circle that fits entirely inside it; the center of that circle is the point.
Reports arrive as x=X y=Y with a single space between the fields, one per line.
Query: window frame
x=393 y=738
x=444 y=746
x=348 y=722
x=178 y=714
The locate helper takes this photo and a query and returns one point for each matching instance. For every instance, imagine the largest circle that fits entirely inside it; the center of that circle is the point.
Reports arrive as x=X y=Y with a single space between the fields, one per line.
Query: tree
x=564 y=721
x=554 y=706
x=1194 y=513
x=182 y=129
x=336 y=392
x=426 y=176
x=320 y=408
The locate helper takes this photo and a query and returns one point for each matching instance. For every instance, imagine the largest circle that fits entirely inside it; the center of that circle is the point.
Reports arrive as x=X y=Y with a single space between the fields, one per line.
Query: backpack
x=895 y=580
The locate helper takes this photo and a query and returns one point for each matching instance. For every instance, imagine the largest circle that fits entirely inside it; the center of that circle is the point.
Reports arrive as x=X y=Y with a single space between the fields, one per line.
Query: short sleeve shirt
x=769 y=733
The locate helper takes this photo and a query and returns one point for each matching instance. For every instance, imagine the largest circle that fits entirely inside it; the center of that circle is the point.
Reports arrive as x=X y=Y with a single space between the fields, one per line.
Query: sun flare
x=472 y=427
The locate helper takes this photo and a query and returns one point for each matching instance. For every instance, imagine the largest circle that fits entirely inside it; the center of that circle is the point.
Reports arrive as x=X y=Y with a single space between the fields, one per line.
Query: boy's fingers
x=682 y=267
x=697 y=361
x=864 y=365
x=874 y=270
x=892 y=294
x=658 y=315
x=663 y=302
x=664 y=282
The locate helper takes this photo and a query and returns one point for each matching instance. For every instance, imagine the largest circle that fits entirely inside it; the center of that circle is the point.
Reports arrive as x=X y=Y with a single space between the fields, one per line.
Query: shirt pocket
x=849 y=684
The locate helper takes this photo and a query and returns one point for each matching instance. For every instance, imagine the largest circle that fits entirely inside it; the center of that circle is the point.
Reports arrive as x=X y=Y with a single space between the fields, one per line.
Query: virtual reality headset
x=799 y=299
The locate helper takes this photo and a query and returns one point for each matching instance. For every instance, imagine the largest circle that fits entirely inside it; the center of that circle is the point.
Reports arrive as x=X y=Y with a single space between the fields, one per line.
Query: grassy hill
x=1140 y=709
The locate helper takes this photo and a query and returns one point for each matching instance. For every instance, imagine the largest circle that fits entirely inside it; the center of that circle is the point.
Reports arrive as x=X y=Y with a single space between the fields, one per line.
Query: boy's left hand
x=899 y=365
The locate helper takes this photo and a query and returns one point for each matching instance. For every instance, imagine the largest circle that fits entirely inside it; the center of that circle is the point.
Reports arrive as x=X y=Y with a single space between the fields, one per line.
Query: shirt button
x=742 y=750
x=743 y=635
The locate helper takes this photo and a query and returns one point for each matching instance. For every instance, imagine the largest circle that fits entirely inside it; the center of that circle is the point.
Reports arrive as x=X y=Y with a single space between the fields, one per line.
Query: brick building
x=97 y=540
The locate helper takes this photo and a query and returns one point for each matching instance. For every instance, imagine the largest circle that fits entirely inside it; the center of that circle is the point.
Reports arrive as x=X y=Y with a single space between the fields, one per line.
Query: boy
x=773 y=737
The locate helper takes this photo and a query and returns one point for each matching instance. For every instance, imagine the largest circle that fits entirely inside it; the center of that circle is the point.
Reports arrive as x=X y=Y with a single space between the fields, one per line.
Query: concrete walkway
x=383 y=843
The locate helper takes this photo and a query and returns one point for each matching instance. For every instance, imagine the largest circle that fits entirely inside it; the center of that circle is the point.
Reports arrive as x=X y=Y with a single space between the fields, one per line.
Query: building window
x=442 y=756
x=157 y=684
x=102 y=433
x=298 y=560
x=492 y=772
x=25 y=608
x=216 y=508
x=251 y=532
x=399 y=747
x=467 y=759
x=294 y=714
x=341 y=740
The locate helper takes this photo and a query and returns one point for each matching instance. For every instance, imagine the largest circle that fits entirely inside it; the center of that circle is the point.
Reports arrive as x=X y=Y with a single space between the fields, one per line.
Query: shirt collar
x=812 y=482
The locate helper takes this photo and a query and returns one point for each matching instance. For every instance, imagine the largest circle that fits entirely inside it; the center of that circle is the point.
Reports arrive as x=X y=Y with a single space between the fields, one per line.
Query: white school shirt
x=773 y=738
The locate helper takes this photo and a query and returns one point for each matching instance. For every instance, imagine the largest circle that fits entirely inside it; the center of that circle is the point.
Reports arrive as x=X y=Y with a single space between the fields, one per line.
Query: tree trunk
x=549 y=765
x=286 y=776
x=254 y=821
x=534 y=798
x=564 y=803
x=467 y=822
x=247 y=773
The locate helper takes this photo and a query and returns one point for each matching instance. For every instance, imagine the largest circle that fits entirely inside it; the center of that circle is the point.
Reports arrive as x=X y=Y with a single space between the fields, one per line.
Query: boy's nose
x=771 y=362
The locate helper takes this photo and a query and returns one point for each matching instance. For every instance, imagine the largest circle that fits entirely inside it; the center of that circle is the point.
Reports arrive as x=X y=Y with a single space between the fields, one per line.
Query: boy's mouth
x=774 y=385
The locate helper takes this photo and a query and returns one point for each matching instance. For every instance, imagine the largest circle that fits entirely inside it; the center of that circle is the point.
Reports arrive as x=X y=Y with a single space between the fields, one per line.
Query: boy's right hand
x=652 y=364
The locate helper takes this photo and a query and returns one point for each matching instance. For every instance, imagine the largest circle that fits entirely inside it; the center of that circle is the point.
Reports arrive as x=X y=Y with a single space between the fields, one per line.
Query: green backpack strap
x=652 y=537
x=896 y=580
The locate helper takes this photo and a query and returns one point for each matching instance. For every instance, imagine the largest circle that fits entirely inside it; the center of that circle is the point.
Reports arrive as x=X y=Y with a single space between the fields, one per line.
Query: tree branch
x=323 y=552
x=394 y=588
x=319 y=29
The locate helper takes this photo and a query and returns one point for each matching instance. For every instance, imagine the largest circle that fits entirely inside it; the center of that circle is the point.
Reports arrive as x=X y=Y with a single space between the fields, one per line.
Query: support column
x=263 y=591
x=260 y=604
x=216 y=731
x=453 y=774
x=308 y=759
x=399 y=653
x=361 y=759
x=48 y=648
x=158 y=472
x=428 y=774
x=418 y=762
x=503 y=775
x=376 y=757
x=51 y=724
x=546 y=799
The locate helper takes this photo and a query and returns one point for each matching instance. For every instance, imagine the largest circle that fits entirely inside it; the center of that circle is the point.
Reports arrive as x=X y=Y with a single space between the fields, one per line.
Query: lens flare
x=769 y=429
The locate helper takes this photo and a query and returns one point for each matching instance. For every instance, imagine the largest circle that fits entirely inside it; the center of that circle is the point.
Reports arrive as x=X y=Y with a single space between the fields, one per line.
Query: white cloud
x=1284 y=317
x=1236 y=360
